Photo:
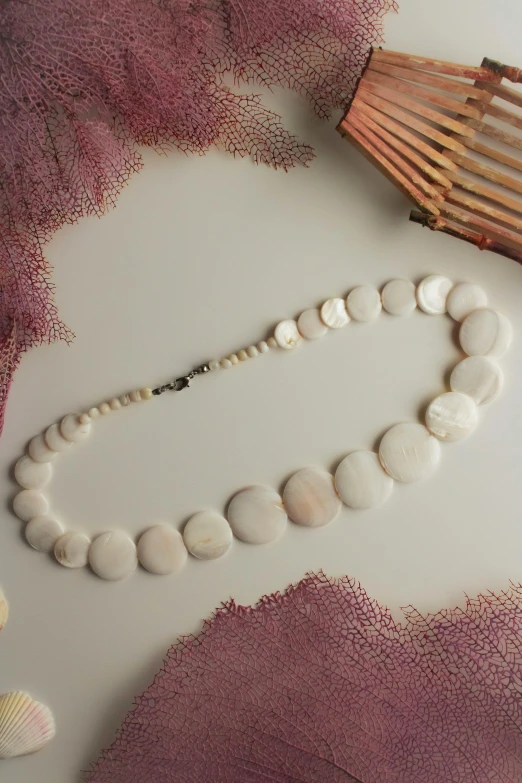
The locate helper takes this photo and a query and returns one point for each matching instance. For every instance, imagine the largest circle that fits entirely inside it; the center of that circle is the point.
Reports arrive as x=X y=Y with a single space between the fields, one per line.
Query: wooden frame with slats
x=447 y=136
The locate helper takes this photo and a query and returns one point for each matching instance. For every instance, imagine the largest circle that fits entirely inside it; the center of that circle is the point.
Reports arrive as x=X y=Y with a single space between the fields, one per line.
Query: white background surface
x=200 y=257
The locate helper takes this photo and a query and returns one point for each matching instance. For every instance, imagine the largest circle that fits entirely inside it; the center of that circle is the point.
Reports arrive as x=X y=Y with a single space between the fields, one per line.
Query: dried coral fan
x=84 y=83
x=321 y=684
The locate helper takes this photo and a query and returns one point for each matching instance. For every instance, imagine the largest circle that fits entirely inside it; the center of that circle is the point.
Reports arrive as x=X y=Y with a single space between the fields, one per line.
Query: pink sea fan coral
x=322 y=684
x=84 y=83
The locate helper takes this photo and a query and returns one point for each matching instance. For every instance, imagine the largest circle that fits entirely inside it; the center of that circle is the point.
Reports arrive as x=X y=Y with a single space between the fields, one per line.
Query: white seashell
x=310 y=325
x=73 y=429
x=30 y=503
x=485 y=333
x=25 y=725
x=432 y=294
x=207 y=535
x=161 y=550
x=464 y=298
x=55 y=440
x=451 y=416
x=43 y=532
x=310 y=499
x=112 y=555
x=408 y=452
x=478 y=377
x=39 y=450
x=287 y=335
x=256 y=515
x=361 y=481
x=4 y=609
x=32 y=475
x=398 y=297
x=72 y=550
x=364 y=303
x=334 y=313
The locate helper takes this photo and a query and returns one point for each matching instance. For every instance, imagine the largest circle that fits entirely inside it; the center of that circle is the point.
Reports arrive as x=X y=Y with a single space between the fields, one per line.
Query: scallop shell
x=4 y=609
x=25 y=725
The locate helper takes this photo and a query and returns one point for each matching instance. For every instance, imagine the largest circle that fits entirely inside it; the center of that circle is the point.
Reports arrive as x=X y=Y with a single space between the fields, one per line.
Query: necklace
x=312 y=497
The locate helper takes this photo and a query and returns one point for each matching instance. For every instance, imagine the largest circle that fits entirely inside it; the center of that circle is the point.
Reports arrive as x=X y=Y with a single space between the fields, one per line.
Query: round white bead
x=85 y=418
x=256 y=515
x=310 y=325
x=361 y=480
x=125 y=400
x=135 y=396
x=310 y=499
x=485 y=333
x=94 y=413
x=432 y=294
x=39 y=449
x=242 y=355
x=114 y=404
x=72 y=429
x=364 y=303
x=207 y=535
x=226 y=364
x=105 y=408
x=287 y=335
x=398 y=297
x=233 y=358
x=32 y=475
x=252 y=351
x=146 y=393
x=214 y=365
x=464 y=298
x=478 y=377
x=262 y=347
x=55 y=439
x=272 y=342
x=29 y=503
x=72 y=550
x=112 y=555
x=42 y=533
x=451 y=416
x=161 y=550
x=334 y=313
x=408 y=452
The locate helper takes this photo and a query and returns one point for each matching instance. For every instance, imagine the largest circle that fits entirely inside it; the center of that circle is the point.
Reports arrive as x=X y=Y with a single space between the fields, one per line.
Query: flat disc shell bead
x=310 y=499
x=161 y=550
x=207 y=535
x=409 y=452
x=478 y=377
x=256 y=515
x=55 y=439
x=30 y=503
x=398 y=297
x=432 y=294
x=361 y=480
x=32 y=475
x=72 y=550
x=310 y=325
x=485 y=333
x=112 y=555
x=287 y=335
x=334 y=313
x=43 y=532
x=451 y=416
x=364 y=303
x=464 y=298
x=73 y=429
x=39 y=450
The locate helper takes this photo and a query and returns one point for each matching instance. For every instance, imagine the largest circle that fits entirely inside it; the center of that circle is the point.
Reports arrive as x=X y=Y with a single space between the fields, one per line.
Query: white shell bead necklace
x=312 y=497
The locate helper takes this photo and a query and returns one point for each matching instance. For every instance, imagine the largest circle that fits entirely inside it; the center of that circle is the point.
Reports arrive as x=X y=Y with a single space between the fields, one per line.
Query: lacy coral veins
x=322 y=684
x=83 y=84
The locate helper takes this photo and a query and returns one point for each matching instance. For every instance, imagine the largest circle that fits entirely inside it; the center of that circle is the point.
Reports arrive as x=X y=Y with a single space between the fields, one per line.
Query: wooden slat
x=484 y=210
x=411 y=122
x=406 y=151
x=482 y=226
x=493 y=175
x=490 y=152
x=506 y=116
x=459 y=107
x=438 y=82
x=506 y=93
x=495 y=133
x=384 y=166
x=400 y=163
x=482 y=190
x=401 y=133
x=471 y=72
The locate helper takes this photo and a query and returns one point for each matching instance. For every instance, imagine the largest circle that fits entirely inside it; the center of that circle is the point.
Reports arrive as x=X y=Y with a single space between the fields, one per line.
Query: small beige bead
x=115 y=404
x=146 y=393
x=135 y=396
x=214 y=365
x=94 y=413
x=242 y=355
x=125 y=400
x=85 y=418
x=272 y=342
x=263 y=347
x=252 y=351
x=105 y=408
x=226 y=364
x=233 y=358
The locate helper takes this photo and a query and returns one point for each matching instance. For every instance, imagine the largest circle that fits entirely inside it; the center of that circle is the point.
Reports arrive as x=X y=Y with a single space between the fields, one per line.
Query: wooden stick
x=435 y=66
x=504 y=71
x=399 y=99
x=494 y=154
x=459 y=107
x=506 y=116
x=487 y=172
x=494 y=133
x=384 y=166
x=482 y=190
x=406 y=152
x=412 y=122
x=506 y=93
x=438 y=82
x=484 y=210
x=401 y=133
x=483 y=227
